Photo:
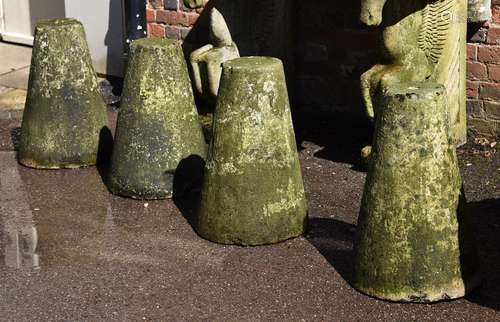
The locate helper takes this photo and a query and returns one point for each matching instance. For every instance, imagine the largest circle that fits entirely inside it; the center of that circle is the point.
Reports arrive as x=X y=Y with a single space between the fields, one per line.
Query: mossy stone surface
x=413 y=242
x=65 y=112
x=157 y=124
x=253 y=191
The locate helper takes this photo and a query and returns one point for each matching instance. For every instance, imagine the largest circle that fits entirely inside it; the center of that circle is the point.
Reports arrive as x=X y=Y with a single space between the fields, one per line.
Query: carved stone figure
x=424 y=40
x=207 y=61
x=193 y=4
x=257 y=28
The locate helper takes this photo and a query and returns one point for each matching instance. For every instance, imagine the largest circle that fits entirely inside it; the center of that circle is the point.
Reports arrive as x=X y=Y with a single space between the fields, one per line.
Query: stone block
x=65 y=116
x=157 y=124
x=413 y=242
x=253 y=192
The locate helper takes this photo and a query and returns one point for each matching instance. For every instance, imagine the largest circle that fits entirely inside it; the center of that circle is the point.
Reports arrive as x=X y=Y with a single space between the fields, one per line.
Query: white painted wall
x=104 y=27
x=102 y=20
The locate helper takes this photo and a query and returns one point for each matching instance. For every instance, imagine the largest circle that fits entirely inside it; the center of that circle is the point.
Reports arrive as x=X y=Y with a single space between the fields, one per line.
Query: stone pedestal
x=157 y=125
x=413 y=242
x=65 y=112
x=253 y=192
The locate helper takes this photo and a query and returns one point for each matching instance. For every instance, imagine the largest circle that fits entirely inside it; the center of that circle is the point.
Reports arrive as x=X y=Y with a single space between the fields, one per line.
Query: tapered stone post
x=65 y=112
x=253 y=192
x=158 y=123
x=412 y=242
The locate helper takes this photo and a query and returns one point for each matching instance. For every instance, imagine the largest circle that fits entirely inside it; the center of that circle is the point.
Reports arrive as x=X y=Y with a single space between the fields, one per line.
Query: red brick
x=192 y=18
x=489 y=91
x=492 y=110
x=150 y=15
x=496 y=14
x=172 y=32
x=488 y=54
x=472 y=89
x=471 y=52
x=476 y=71
x=493 y=35
x=156 y=31
x=172 y=18
x=494 y=73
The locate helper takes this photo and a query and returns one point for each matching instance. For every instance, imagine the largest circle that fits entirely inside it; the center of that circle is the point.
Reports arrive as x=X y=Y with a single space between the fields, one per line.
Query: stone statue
x=193 y=4
x=424 y=40
x=206 y=62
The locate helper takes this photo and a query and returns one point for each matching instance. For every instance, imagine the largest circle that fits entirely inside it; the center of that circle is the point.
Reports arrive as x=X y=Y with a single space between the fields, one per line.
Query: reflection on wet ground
x=20 y=236
x=72 y=251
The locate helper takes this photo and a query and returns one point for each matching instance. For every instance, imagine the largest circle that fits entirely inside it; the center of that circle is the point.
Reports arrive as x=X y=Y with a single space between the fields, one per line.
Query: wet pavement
x=69 y=250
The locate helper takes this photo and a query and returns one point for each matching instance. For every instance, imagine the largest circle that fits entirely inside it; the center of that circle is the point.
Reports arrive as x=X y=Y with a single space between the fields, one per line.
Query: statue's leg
x=195 y=59
x=214 y=68
x=369 y=84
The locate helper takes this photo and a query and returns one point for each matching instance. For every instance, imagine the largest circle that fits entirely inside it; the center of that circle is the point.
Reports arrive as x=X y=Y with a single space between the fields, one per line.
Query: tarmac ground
x=71 y=251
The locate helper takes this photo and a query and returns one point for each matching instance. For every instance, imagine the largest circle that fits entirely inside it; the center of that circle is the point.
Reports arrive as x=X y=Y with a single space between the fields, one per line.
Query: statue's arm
x=369 y=84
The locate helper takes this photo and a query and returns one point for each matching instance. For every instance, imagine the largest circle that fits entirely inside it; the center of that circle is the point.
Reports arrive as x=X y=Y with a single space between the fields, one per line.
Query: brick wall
x=483 y=73
x=332 y=49
x=170 y=18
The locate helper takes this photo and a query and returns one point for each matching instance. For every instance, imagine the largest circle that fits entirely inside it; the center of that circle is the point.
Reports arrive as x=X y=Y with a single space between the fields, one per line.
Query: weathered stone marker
x=253 y=192
x=65 y=112
x=412 y=243
x=423 y=40
x=157 y=125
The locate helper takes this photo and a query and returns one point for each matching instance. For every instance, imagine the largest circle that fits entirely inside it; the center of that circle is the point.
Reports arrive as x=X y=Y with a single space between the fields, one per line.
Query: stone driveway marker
x=413 y=243
x=253 y=192
x=157 y=124
x=65 y=112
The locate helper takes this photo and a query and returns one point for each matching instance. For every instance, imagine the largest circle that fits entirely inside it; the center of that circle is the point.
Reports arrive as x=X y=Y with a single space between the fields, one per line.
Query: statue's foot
x=366 y=154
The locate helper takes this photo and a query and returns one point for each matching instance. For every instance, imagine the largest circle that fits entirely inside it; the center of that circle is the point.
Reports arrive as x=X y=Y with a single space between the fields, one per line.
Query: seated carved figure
x=206 y=62
x=423 y=40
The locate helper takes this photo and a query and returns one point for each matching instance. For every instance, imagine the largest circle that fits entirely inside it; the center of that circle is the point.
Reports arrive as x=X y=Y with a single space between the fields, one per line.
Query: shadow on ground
x=485 y=219
x=334 y=240
x=188 y=180
x=341 y=141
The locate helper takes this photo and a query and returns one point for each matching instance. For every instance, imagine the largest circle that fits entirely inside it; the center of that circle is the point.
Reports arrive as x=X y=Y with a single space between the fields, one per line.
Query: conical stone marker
x=157 y=124
x=65 y=112
x=413 y=243
x=253 y=192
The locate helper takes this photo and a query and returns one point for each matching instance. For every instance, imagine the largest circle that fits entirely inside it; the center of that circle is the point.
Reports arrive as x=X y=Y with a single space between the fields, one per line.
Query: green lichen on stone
x=422 y=40
x=65 y=112
x=253 y=192
x=412 y=242
x=157 y=124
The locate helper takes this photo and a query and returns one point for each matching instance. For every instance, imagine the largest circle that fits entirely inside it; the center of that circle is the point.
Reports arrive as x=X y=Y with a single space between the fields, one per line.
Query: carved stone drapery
x=423 y=40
